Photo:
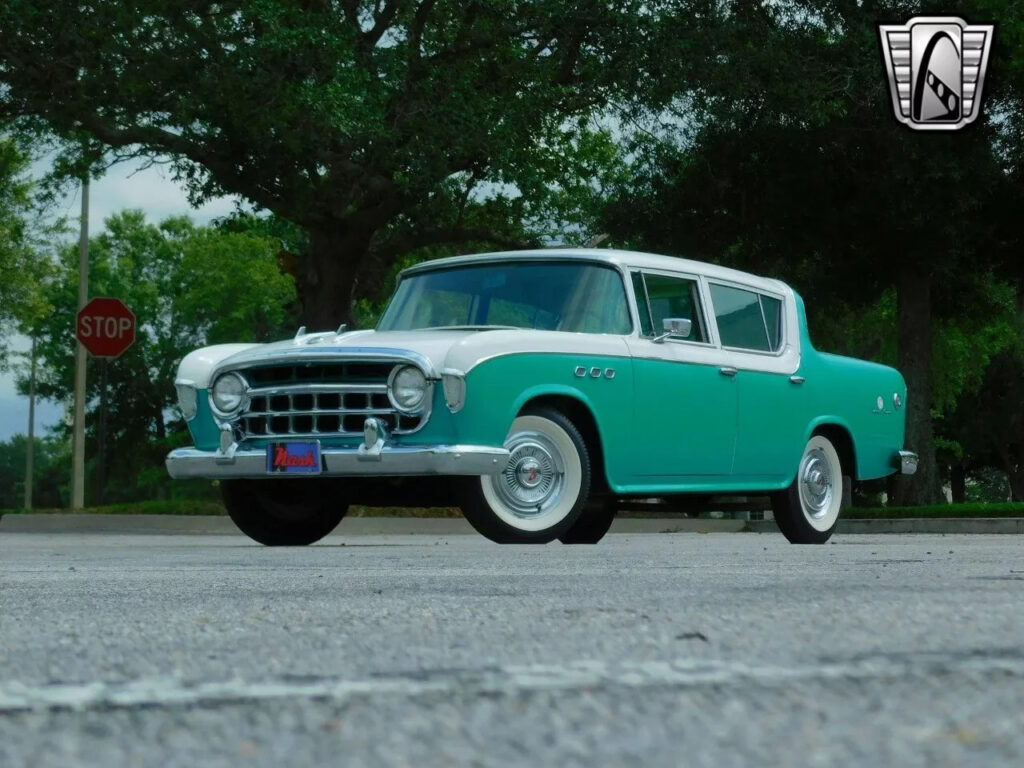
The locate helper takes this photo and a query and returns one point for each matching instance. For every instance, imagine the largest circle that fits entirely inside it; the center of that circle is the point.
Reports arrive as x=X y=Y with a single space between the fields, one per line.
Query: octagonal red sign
x=106 y=327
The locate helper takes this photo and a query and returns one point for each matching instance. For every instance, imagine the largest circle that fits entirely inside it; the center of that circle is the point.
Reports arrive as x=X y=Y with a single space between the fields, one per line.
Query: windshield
x=550 y=296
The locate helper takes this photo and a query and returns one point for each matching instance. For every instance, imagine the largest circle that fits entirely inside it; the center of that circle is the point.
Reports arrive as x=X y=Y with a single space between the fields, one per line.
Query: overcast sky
x=124 y=186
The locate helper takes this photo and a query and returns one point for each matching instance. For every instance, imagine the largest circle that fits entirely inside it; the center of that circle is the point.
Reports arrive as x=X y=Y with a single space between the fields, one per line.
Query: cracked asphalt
x=652 y=650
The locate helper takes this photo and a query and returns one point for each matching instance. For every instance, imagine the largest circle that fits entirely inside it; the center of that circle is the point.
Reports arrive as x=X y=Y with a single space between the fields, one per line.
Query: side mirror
x=674 y=326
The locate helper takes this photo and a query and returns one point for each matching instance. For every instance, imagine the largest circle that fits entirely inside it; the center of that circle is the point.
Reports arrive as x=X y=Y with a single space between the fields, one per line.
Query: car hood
x=436 y=350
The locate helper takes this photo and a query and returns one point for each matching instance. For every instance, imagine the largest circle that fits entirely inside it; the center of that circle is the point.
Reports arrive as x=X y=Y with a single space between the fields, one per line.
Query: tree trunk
x=327 y=278
x=1017 y=486
x=1015 y=472
x=914 y=338
x=958 y=483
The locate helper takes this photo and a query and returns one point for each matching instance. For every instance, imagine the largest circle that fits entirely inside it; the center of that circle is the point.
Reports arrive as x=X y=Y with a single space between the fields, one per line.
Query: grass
x=197 y=507
x=172 y=507
x=975 y=509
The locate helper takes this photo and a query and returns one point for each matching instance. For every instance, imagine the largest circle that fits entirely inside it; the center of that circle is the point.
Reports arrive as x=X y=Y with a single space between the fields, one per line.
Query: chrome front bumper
x=906 y=461
x=394 y=460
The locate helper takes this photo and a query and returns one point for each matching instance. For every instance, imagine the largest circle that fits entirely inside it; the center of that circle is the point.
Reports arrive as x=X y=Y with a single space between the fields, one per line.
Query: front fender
x=497 y=390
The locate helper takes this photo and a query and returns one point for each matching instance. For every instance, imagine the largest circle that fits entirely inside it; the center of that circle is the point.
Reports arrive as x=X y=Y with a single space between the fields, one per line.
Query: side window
x=670 y=297
x=772 y=309
x=746 y=319
x=642 y=307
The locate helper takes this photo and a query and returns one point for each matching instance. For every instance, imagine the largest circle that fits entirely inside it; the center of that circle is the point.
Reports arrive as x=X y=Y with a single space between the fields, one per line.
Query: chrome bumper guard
x=341 y=462
x=907 y=462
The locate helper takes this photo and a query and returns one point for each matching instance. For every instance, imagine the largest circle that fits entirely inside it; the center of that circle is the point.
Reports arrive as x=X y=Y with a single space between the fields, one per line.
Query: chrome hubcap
x=528 y=472
x=533 y=478
x=816 y=484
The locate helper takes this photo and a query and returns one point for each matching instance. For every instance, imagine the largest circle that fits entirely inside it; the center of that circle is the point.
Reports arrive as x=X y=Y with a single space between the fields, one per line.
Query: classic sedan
x=537 y=390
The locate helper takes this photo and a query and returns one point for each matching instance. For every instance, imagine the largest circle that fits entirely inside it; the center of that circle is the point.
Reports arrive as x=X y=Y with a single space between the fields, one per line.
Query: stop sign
x=106 y=327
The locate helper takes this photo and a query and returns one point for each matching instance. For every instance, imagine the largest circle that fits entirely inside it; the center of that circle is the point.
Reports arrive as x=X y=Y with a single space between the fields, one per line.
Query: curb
x=952 y=525
x=351 y=526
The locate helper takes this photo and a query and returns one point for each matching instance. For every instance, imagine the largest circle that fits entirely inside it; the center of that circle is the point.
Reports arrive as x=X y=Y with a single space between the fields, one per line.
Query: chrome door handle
x=727 y=371
x=797 y=379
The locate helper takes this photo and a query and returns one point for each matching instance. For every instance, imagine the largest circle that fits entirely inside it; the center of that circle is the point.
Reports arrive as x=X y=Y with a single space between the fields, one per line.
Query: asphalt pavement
x=680 y=649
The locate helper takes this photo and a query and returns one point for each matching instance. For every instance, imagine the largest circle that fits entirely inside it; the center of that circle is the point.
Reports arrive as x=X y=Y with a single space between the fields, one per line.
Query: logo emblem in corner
x=936 y=68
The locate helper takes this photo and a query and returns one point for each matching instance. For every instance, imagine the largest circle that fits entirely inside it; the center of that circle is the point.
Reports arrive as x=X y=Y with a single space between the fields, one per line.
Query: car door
x=685 y=406
x=758 y=332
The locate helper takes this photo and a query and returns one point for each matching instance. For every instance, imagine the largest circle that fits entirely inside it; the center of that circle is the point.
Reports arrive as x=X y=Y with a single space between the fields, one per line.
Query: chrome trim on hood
x=258 y=356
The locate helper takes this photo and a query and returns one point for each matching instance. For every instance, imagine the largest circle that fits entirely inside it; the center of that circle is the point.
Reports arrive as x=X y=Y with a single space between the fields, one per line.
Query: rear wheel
x=807 y=512
x=543 y=489
x=283 y=512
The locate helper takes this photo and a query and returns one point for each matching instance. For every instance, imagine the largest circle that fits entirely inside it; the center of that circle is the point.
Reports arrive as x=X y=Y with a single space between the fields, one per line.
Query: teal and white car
x=537 y=390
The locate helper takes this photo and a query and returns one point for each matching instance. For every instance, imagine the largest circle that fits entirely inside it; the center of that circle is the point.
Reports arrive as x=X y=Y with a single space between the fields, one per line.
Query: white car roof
x=611 y=256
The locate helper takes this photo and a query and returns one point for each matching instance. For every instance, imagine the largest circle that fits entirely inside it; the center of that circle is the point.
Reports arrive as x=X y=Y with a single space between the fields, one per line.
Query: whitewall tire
x=807 y=512
x=542 y=490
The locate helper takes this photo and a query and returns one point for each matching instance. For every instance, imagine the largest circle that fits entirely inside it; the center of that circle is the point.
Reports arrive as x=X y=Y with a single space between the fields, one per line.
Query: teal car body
x=726 y=404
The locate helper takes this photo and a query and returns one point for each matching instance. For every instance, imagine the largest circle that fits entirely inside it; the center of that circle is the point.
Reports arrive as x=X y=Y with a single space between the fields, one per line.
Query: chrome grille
x=356 y=372
x=320 y=400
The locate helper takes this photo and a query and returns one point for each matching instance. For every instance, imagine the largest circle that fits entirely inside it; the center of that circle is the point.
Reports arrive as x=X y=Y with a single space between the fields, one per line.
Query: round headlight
x=407 y=388
x=228 y=392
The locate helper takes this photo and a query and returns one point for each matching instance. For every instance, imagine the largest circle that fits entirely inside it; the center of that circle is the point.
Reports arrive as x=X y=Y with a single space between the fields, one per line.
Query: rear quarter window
x=747 y=319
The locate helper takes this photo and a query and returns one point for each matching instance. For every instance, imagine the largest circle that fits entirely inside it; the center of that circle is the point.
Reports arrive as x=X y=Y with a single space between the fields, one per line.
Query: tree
x=986 y=427
x=184 y=284
x=21 y=265
x=52 y=461
x=379 y=126
x=796 y=168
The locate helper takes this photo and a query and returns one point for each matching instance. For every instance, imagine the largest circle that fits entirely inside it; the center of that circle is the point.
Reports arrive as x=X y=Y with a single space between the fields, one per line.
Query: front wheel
x=807 y=512
x=283 y=512
x=593 y=524
x=542 y=490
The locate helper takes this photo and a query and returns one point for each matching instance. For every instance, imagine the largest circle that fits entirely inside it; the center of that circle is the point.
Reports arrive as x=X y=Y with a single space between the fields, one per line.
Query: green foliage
x=191 y=507
x=987 y=485
x=51 y=468
x=22 y=266
x=791 y=165
x=357 y=120
x=188 y=286
x=988 y=425
x=975 y=509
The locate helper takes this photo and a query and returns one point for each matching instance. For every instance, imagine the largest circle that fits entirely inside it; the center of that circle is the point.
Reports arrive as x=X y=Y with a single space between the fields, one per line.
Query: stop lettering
x=106 y=327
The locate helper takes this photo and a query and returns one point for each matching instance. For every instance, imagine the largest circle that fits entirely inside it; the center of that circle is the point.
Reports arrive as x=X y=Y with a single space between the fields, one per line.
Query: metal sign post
x=78 y=448
x=30 y=448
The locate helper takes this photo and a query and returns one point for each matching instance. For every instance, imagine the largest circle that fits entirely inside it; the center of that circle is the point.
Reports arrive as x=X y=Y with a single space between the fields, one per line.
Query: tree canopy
x=795 y=167
x=22 y=267
x=379 y=126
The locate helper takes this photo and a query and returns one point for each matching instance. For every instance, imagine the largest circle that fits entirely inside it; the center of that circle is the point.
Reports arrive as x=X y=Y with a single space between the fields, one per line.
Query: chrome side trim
x=395 y=460
x=906 y=461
